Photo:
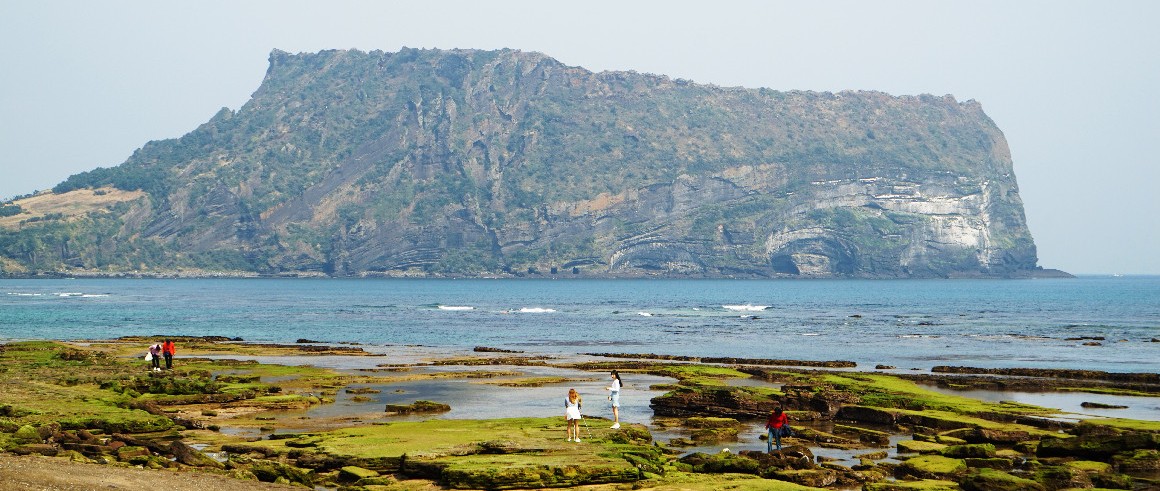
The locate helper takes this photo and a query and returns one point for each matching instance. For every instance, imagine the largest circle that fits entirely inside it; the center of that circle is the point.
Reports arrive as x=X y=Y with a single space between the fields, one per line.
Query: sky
x=1073 y=85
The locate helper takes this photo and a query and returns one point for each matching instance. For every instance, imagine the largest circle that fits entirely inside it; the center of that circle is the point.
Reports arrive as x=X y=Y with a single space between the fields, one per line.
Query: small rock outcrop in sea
x=418 y=407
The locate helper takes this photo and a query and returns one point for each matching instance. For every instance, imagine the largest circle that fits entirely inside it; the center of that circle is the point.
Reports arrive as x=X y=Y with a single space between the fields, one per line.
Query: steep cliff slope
x=490 y=162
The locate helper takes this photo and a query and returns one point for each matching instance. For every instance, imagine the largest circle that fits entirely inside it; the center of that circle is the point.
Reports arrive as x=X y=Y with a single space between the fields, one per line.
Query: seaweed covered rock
x=1062 y=477
x=720 y=463
x=189 y=456
x=270 y=471
x=1100 y=447
x=932 y=467
x=708 y=430
x=821 y=399
x=807 y=477
x=988 y=435
x=867 y=414
x=971 y=450
x=418 y=407
x=27 y=434
x=1147 y=461
x=922 y=485
x=521 y=472
x=994 y=480
x=920 y=447
x=728 y=402
x=353 y=473
x=790 y=457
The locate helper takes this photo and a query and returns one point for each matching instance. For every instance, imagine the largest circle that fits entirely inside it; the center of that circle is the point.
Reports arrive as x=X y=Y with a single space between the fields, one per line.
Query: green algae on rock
x=491 y=454
x=923 y=485
x=933 y=467
x=418 y=407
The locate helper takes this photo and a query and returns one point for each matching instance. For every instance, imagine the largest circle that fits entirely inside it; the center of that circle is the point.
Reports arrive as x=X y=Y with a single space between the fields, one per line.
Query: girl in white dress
x=572 y=414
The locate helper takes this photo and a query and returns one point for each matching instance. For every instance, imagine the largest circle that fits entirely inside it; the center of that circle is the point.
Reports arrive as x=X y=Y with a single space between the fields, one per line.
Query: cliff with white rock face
x=482 y=163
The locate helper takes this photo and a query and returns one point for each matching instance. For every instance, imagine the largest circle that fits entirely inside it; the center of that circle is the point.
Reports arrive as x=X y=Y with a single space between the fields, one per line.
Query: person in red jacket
x=775 y=424
x=168 y=349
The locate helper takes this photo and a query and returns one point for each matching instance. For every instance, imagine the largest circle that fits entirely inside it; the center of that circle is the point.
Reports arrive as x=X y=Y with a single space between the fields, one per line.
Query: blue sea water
x=903 y=323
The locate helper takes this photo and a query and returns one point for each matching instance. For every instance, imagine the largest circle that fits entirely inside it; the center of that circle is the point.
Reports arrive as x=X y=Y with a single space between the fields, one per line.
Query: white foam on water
x=536 y=310
x=745 y=308
x=456 y=307
x=644 y=314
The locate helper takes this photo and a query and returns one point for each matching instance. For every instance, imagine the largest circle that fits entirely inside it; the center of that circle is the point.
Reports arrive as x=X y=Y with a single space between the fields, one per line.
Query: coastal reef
x=219 y=412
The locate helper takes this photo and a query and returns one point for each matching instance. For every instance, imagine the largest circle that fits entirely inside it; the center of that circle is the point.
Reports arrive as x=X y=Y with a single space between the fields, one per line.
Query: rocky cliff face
x=490 y=162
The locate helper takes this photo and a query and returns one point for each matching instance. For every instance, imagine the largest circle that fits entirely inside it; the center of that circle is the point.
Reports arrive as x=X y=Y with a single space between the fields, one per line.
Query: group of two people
x=777 y=425
x=574 y=403
x=156 y=351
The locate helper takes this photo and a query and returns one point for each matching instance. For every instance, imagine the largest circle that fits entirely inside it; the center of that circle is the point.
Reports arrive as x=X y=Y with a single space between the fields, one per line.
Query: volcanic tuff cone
x=464 y=162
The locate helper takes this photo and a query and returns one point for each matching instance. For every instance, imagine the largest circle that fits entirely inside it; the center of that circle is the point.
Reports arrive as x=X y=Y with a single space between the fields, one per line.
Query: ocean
x=1093 y=322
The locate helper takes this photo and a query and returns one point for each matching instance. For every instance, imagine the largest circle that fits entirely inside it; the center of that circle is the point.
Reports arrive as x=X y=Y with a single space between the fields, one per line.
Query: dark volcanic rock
x=418 y=407
x=730 y=402
x=1097 y=446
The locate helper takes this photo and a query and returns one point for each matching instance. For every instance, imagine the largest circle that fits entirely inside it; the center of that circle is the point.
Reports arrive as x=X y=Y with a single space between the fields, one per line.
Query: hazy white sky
x=1074 y=85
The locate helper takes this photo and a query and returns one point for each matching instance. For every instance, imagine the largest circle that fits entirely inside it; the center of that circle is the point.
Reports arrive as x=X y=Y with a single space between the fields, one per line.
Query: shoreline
x=240 y=413
x=1039 y=273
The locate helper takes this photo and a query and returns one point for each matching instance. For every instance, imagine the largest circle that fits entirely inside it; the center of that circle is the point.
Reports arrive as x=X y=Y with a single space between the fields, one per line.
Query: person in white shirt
x=614 y=396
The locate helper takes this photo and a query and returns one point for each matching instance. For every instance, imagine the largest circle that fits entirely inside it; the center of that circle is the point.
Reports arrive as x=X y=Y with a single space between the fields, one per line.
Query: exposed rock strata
x=463 y=162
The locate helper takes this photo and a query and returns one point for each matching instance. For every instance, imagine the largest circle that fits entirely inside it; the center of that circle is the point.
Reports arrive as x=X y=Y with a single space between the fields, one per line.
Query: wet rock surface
x=954 y=442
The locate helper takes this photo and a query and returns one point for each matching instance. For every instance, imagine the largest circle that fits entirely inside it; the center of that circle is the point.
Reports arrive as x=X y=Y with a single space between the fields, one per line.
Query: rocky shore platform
x=246 y=416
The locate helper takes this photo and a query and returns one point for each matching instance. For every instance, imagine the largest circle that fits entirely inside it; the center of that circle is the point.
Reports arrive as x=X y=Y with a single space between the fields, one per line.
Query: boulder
x=817 y=478
x=27 y=434
x=270 y=471
x=351 y=474
x=866 y=414
x=416 y=407
x=932 y=467
x=972 y=450
x=1143 y=461
x=1099 y=447
x=822 y=438
x=791 y=457
x=822 y=400
x=711 y=422
x=504 y=474
x=990 y=463
x=128 y=452
x=1062 y=477
x=868 y=436
x=923 y=485
x=36 y=448
x=709 y=430
x=720 y=463
x=189 y=456
x=708 y=436
x=985 y=435
x=729 y=402
x=921 y=447
x=994 y=480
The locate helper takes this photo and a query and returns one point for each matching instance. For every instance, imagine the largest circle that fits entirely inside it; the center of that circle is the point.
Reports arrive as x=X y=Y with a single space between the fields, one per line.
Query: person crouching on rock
x=777 y=421
x=572 y=407
x=155 y=356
